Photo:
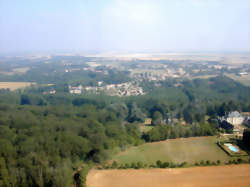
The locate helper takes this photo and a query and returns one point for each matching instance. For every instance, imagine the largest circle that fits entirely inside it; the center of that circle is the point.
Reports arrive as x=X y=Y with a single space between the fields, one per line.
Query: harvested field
x=228 y=176
x=15 y=85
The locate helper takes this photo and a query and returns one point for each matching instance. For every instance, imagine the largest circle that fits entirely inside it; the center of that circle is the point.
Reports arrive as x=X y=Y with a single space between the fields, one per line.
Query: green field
x=175 y=150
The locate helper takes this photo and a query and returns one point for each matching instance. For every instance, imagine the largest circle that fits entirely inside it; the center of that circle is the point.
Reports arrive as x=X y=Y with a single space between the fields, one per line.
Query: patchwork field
x=15 y=85
x=175 y=150
x=229 y=176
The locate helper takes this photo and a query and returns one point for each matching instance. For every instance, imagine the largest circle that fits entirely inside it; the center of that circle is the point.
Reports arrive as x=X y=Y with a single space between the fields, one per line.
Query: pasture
x=228 y=176
x=179 y=150
x=15 y=85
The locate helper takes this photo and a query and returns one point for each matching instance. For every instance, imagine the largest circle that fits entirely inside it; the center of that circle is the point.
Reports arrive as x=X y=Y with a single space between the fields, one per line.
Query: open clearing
x=229 y=176
x=15 y=85
x=175 y=150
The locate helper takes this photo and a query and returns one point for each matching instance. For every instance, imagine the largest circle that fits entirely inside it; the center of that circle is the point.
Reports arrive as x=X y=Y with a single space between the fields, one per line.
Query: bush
x=207 y=162
x=139 y=165
x=126 y=166
x=172 y=165
x=239 y=160
x=114 y=165
x=165 y=165
x=158 y=163
x=182 y=164
x=133 y=165
x=196 y=164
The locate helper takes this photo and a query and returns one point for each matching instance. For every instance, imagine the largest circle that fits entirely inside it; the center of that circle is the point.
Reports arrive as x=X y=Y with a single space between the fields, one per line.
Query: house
x=49 y=92
x=232 y=121
x=75 y=89
x=234 y=118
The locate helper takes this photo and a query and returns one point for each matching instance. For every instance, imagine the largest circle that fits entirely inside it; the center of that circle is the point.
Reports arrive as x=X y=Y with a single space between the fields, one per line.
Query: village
x=123 y=89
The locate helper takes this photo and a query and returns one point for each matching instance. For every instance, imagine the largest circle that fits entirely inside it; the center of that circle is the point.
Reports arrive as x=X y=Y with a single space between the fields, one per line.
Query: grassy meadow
x=175 y=150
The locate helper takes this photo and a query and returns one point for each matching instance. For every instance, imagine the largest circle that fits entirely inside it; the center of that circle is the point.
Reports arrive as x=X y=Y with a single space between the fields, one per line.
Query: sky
x=124 y=25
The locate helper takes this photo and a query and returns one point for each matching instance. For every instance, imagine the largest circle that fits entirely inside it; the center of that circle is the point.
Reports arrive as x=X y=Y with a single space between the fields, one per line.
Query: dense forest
x=44 y=139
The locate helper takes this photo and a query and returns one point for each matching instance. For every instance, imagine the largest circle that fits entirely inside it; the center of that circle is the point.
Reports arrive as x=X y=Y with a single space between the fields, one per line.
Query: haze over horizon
x=124 y=25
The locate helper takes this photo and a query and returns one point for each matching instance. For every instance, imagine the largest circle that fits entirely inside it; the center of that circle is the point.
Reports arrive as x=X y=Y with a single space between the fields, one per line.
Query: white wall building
x=234 y=118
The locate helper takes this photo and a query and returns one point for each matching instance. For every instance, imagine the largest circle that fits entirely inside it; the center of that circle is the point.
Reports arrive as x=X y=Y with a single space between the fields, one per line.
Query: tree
x=157 y=118
x=246 y=137
x=158 y=163
x=25 y=100
x=114 y=165
x=136 y=114
x=4 y=177
x=188 y=114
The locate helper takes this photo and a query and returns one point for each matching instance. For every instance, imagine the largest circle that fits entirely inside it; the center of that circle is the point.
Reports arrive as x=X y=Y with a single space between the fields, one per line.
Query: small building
x=75 y=89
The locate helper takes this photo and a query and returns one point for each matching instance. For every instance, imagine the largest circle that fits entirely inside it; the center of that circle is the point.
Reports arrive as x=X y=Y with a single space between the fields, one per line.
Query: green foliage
x=246 y=137
x=43 y=138
x=135 y=114
x=157 y=118
x=40 y=145
x=164 y=132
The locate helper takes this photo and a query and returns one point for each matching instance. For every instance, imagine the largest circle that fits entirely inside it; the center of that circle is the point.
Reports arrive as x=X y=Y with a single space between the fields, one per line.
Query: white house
x=234 y=118
x=75 y=89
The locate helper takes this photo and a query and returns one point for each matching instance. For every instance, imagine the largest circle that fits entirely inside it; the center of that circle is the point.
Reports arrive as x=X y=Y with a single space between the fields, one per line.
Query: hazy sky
x=124 y=25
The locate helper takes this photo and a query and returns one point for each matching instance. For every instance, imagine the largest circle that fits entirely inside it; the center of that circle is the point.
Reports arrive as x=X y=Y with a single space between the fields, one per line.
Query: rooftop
x=234 y=114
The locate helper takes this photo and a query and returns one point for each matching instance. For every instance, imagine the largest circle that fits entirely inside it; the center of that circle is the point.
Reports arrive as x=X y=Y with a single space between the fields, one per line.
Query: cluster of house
x=123 y=89
x=49 y=92
x=234 y=120
x=75 y=89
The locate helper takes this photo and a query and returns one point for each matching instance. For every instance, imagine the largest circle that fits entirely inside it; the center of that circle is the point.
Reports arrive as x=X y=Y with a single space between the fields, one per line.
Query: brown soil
x=229 y=176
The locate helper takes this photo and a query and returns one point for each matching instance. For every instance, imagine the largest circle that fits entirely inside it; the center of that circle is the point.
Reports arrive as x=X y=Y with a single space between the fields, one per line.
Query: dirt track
x=229 y=176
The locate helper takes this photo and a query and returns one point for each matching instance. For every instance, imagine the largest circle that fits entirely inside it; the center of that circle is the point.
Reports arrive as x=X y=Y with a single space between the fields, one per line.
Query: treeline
x=162 y=164
x=135 y=109
x=164 y=132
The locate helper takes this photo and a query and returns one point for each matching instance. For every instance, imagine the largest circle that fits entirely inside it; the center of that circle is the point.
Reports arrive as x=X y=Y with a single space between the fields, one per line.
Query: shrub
x=158 y=163
x=133 y=165
x=139 y=165
x=165 y=165
x=196 y=164
x=126 y=166
x=114 y=165
x=207 y=162
x=239 y=160
x=182 y=164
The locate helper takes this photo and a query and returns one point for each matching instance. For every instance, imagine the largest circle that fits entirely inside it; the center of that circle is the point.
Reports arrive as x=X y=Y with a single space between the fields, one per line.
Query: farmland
x=229 y=176
x=245 y=79
x=15 y=85
x=189 y=150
